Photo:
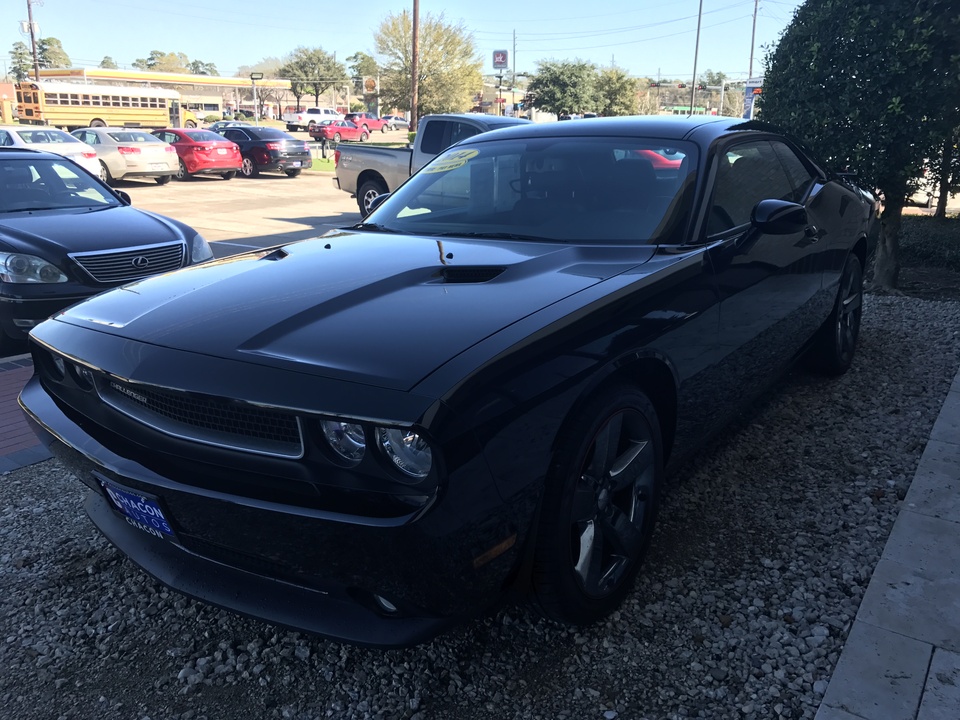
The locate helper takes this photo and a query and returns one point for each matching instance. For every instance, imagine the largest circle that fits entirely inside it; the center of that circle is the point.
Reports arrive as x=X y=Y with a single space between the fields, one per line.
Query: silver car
x=48 y=139
x=130 y=153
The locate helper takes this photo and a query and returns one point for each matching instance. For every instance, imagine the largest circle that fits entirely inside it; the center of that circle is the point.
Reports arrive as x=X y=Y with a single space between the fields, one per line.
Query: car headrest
x=16 y=174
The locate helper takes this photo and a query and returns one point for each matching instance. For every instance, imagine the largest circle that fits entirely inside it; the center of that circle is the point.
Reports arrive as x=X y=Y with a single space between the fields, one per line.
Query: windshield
x=48 y=185
x=133 y=136
x=47 y=135
x=584 y=190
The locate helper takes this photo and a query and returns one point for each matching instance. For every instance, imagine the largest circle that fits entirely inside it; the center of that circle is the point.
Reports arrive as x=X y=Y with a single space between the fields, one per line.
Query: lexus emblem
x=140 y=262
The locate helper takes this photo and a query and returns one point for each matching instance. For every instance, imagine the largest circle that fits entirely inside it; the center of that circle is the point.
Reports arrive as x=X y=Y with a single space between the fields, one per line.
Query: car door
x=239 y=137
x=769 y=284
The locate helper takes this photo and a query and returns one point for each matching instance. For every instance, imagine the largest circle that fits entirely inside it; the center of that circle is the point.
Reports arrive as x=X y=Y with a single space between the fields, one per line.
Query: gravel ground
x=767 y=542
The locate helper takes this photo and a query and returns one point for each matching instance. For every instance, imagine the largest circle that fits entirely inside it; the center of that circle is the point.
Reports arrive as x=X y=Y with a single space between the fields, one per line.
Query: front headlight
x=408 y=451
x=346 y=439
x=200 y=249
x=20 y=268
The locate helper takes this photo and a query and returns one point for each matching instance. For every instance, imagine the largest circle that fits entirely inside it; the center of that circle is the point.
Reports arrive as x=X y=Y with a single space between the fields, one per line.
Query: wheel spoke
x=605 y=447
x=852 y=303
x=589 y=565
x=624 y=536
x=637 y=455
x=584 y=501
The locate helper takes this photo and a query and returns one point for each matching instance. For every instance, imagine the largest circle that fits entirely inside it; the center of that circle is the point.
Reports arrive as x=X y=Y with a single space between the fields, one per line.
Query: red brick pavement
x=15 y=434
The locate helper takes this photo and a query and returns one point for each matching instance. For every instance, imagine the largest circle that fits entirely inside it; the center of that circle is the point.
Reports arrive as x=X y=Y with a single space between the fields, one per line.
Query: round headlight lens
x=346 y=439
x=408 y=451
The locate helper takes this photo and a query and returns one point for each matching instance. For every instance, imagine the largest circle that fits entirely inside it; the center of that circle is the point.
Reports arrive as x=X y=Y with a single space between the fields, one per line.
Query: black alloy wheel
x=836 y=342
x=599 y=507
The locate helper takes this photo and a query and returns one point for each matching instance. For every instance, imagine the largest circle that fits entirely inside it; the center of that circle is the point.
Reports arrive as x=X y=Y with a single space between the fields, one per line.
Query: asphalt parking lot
x=240 y=214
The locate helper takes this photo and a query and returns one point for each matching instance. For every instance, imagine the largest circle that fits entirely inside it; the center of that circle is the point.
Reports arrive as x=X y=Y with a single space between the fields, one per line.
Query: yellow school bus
x=75 y=105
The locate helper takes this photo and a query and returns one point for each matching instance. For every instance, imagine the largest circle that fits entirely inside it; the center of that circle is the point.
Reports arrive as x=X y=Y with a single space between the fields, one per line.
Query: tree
x=362 y=65
x=617 y=93
x=448 y=71
x=199 y=67
x=108 y=63
x=159 y=61
x=21 y=61
x=51 y=53
x=869 y=93
x=564 y=87
x=945 y=172
x=313 y=71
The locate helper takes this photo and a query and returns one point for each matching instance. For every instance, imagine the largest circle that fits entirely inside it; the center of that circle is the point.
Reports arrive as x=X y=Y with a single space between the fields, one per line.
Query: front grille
x=118 y=266
x=207 y=419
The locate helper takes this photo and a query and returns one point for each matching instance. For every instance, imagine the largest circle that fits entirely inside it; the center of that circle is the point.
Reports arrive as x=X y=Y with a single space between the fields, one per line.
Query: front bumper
x=19 y=314
x=295 y=566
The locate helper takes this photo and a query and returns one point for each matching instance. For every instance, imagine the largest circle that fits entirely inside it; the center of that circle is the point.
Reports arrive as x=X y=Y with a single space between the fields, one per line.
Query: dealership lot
x=240 y=214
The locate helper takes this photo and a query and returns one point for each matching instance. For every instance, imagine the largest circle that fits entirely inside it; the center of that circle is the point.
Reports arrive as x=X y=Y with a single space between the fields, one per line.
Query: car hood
x=379 y=309
x=58 y=232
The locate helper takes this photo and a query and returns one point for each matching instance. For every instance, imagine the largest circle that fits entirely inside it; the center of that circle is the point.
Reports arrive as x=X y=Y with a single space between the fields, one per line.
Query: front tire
x=368 y=192
x=248 y=168
x=190 y=124
x=182 y=173
x=599 y=507
x=836 y=340
x=336 y=137
x=364 y=137
x=292 y=173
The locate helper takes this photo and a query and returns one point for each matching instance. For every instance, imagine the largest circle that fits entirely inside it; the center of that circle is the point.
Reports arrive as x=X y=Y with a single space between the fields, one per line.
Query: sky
x=647 y=38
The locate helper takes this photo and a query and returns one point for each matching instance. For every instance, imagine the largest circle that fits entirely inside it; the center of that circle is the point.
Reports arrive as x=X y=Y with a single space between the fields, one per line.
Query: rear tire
x=105 y=173
x=368 y=192
x=97 y=122
x=163 y=179
x=248 y=168
x=364 y=137
x=292 y=173
x=599 y=506
x=182 y=173
x=336 y=137
x=229 y=175
x=190 y=124
x=836 y=341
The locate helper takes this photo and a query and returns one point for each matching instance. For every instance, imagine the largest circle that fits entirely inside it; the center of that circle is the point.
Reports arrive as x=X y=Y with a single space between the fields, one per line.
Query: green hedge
x=928 y=242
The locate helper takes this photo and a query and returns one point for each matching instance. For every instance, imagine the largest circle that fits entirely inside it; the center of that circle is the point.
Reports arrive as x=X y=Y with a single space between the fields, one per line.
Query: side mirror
x=378 y=201
x=779 y=217
x=125 y=196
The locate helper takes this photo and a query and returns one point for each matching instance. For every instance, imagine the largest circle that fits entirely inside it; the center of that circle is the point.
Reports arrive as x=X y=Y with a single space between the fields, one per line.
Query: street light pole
x=415 y=65
x=254 y=76
x=33 y=40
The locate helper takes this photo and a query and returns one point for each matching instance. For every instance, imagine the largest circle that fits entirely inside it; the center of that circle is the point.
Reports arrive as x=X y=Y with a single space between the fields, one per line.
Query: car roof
x=667 y=127
x=22 y=153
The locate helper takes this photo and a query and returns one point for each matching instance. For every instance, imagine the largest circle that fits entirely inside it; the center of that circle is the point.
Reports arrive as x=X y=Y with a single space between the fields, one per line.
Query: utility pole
x=753 y=36
x=33 y=40
x=414 y=65
x=696 y=51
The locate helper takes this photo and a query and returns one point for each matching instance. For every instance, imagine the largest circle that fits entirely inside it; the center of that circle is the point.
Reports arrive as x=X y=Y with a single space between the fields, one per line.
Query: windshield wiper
x=375 y=227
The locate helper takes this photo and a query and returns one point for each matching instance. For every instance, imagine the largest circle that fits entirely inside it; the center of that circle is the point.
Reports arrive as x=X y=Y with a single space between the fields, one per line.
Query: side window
x=461 y=131
x=746 y=174
x=432 y=141
x=800 y=176
x=5 y=139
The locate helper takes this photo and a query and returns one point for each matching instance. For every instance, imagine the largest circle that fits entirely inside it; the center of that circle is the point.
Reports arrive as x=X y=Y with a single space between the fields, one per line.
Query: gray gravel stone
x=766 y=543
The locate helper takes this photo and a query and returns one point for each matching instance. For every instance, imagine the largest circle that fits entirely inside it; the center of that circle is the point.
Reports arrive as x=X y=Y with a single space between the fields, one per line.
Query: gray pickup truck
x=366 y=171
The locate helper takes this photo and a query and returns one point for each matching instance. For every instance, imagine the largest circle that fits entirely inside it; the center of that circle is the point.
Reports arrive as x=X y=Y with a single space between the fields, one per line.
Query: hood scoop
x=471 y=274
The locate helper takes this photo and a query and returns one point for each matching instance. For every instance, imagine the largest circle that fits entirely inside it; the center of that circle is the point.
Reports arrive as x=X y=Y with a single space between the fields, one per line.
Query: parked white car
x=130 y=153
x=304 y=119
x=48 y=139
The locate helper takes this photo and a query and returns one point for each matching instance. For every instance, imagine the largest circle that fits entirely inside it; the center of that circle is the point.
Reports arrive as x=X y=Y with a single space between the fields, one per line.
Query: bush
x=211 y=118
x=411 y=136
x=928 y=242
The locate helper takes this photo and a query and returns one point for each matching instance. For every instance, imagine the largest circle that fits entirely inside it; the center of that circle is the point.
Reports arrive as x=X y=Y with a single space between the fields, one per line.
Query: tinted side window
x=5 y=139
x=461 y=131
x=432 y=141
x=746 y=174
x=800 y=176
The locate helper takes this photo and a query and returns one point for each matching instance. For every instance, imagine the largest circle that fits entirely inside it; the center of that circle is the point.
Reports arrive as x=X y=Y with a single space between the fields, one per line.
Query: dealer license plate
x=296 y=164
x=141 y=511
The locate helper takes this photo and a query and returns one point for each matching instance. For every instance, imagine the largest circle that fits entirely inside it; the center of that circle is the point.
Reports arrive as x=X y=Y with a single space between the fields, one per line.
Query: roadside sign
x=500 y=60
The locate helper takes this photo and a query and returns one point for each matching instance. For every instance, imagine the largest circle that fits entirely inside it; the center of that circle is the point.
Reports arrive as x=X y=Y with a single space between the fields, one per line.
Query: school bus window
x=74 y=99
x=19 y=96
x=86 y=99
x=95 y=100
x=114 y=101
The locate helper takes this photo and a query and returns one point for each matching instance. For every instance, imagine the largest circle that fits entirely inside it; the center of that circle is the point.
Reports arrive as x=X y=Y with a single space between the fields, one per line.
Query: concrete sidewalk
x=902 y=658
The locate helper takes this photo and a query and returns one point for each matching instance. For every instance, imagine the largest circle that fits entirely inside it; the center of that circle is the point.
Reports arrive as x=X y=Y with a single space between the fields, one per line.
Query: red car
x=339 y=130
x=368 y=121
x=202 y=152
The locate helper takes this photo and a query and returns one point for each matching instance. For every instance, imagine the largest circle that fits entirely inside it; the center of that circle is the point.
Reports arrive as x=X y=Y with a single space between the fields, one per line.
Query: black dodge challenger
x=479 y=389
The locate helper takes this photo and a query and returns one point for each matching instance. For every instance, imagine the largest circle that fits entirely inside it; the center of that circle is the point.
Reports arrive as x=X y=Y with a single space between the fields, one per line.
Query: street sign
x=500 y=60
